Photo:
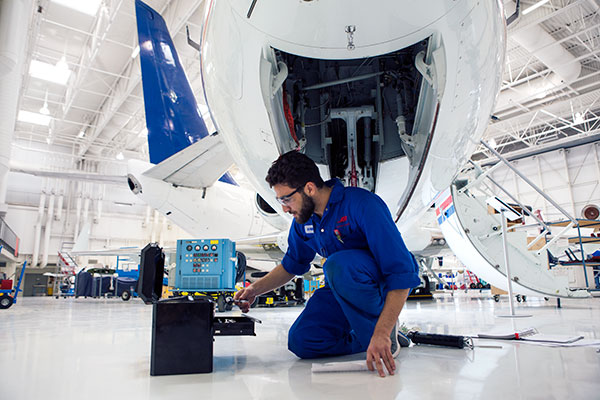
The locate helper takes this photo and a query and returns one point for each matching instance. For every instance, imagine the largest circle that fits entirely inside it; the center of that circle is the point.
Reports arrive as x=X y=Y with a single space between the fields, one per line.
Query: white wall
x=109 y=232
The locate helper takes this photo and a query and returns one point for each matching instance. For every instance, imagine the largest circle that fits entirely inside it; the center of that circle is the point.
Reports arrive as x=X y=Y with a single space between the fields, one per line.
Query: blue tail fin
x=172 y=115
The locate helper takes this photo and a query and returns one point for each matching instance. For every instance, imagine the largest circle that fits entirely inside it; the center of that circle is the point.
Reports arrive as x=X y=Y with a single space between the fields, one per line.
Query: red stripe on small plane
x=446 y=203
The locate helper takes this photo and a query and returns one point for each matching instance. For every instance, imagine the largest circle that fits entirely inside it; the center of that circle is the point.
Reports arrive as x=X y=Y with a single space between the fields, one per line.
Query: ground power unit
x=208 y=267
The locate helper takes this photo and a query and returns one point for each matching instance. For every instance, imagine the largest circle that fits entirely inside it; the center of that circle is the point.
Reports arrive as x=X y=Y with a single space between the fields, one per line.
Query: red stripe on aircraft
x=446 y=203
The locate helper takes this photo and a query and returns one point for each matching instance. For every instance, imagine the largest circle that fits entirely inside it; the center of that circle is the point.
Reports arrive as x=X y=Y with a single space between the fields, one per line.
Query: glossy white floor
x=99 y=349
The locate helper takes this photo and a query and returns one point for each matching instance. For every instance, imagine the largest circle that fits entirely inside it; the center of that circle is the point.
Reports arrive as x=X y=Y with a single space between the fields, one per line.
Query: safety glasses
x=285 y=200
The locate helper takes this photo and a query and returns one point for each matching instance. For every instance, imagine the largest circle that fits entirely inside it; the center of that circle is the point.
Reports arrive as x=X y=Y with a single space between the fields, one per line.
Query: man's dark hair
x=294 y=169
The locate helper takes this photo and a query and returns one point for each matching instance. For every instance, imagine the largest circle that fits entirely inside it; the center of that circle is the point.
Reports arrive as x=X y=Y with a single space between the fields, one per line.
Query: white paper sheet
x=342 y=366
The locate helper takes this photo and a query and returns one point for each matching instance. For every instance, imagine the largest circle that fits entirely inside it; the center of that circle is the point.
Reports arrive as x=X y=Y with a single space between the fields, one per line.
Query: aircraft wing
x=199 y=165
x=56 y=275
x=128 y=251
x=120 y=180
x=260 y=240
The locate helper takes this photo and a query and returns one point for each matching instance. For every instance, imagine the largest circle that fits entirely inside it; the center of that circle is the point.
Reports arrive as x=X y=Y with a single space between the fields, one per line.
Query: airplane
x=373 y=93
x=382 y=95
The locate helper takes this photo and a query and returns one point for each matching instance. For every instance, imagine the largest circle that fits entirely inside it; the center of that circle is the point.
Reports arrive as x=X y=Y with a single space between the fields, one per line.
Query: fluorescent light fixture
x=135 y=52
x=89 y=7
x=49 y=72
x=541 y=94
x=536 y=5
x=123 y=204
x=34 y=118
x=120 y=156
x=81 y=133
x=549 y=138
x=578 y=118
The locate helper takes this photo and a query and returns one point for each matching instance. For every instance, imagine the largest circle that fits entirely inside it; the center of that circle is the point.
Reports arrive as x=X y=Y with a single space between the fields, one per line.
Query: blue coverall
x=366 y=258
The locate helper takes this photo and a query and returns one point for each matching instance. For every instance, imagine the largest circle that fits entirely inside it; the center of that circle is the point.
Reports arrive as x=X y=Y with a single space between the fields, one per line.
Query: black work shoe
x=403 y=339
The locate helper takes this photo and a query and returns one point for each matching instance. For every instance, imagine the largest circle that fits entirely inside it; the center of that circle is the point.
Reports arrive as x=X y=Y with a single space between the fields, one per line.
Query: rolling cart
x=8 y=297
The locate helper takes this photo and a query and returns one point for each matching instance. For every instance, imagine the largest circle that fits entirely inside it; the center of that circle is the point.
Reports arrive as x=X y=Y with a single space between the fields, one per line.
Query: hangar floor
x=99 y=349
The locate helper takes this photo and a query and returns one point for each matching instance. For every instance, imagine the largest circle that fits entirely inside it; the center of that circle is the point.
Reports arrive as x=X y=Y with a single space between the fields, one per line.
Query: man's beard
x=307 y=210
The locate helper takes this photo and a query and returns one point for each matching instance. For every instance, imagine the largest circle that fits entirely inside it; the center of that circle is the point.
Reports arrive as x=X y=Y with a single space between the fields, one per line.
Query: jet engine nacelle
x=270 y=215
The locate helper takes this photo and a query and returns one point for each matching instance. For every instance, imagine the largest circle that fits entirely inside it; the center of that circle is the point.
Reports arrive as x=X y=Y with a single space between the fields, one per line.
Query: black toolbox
x=183 y=328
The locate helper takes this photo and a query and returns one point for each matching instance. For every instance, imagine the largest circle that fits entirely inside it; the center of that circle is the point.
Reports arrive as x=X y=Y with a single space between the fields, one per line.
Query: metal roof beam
x=49 y=21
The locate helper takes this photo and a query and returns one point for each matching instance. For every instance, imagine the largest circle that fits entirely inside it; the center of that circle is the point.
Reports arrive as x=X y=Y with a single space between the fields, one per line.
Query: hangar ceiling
x=550 y=94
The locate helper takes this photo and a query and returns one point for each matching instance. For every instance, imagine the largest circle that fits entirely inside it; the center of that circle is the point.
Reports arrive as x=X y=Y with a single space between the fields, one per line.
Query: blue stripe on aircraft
x=449 y=211
x=172 y=116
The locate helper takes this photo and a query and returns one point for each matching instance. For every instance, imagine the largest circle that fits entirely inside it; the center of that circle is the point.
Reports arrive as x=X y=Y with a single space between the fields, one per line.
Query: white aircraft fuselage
x=405 y=145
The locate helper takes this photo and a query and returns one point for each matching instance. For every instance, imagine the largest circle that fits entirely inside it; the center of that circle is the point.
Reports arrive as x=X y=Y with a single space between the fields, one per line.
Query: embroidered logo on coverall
x=308 y=229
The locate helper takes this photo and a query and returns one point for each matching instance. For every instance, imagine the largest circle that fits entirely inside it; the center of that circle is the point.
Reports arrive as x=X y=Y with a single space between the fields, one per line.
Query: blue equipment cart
x=8 y=297
x=208 y=267
x=126 y=281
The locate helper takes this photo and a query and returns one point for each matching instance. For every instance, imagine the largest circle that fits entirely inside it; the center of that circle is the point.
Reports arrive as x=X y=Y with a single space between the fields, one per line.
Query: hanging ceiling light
x=44 y=110
x=49 y=139
x=62 y=65
x=120 y=156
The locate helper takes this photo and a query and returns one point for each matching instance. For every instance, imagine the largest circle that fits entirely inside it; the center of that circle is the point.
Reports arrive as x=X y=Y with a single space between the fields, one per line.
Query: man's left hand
x=379 y=353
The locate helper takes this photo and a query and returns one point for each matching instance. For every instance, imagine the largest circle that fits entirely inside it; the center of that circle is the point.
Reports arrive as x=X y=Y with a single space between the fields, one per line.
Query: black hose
x=241 y=266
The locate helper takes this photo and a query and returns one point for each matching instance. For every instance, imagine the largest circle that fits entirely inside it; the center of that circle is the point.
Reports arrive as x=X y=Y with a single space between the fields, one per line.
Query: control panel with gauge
x=205 y=265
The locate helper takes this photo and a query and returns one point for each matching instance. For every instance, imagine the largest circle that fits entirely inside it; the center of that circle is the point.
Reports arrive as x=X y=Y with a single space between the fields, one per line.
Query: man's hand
x=244 y=298
x=380 y=350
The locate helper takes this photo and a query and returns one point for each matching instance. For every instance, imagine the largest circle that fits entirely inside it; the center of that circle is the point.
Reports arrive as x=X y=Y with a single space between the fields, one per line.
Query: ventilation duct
x=14 y=18
x=12 y=32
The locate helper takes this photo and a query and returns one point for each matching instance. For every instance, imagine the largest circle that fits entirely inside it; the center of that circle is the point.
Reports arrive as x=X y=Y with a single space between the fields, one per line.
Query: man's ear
x=310 y=189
